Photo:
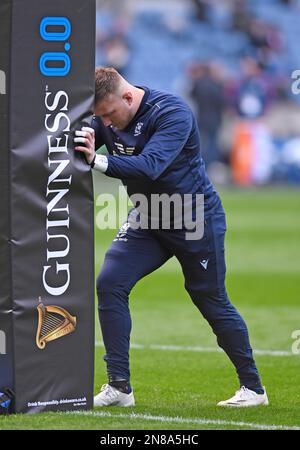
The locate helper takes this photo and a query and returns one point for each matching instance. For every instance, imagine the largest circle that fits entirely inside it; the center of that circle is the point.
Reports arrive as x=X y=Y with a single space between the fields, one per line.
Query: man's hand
x=87 y=137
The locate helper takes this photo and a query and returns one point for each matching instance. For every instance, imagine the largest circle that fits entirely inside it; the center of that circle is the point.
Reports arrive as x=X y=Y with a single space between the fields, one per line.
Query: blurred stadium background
x=232 y=61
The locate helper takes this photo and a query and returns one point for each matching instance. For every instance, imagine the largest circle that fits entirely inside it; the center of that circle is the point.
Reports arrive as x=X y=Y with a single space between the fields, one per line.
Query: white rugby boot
x=244 y=397
x=110 y=396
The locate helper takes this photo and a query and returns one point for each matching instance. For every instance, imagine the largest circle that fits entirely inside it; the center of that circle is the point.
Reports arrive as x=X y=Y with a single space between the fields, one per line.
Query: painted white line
x=178 y=348
x=181 y=420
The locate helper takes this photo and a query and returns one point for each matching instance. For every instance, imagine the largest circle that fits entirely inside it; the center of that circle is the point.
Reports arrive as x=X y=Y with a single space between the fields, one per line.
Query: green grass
x=263 y=262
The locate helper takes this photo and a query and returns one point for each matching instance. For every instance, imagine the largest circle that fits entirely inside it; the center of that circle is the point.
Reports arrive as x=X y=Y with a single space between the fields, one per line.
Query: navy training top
x=159 y=150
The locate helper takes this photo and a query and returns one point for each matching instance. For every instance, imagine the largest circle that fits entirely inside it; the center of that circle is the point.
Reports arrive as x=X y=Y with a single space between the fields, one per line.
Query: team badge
x=138 y=129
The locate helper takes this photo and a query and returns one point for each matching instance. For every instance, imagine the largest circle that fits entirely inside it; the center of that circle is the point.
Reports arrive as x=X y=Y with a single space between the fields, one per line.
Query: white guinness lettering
x=56 y=274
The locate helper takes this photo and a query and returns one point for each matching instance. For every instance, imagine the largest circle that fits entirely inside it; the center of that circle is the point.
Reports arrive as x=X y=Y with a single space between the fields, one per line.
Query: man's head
x=116 y=101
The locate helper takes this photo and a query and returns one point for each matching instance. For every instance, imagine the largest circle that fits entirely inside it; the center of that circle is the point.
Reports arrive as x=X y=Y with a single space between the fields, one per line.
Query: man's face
x=115 y=110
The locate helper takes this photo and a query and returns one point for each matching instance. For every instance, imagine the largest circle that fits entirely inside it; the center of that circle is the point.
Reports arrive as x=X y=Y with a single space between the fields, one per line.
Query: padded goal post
x=47 y=63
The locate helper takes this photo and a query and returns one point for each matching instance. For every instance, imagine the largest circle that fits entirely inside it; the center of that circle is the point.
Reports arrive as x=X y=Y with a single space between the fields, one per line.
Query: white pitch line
x=181 y=420
x=178 y=348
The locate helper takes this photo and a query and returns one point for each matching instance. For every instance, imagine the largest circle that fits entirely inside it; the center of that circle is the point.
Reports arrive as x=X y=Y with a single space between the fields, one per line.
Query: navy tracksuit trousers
x=136 y=253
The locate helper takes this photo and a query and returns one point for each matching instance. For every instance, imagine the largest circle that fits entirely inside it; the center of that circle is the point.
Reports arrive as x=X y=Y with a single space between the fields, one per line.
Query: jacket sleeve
x=172 y=132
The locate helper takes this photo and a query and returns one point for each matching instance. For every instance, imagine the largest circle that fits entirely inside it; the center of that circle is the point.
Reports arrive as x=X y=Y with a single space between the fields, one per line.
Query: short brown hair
x=107 y=81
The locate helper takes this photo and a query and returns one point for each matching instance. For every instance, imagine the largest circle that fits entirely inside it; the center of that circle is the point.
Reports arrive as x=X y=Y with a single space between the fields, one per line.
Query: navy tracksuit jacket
x=159 y=152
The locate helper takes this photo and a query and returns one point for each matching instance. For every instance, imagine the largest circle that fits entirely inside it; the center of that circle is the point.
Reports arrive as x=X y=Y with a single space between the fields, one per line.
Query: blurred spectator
x=256 y=43
x=257 y=32
x=177 y=25
x=116 y=54
x=240 y=16
x=252 y=148
x=288 y=2
x=207 y=94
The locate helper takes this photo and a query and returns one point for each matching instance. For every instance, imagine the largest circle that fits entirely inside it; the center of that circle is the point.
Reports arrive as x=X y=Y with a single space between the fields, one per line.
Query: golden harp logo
x=53 y=322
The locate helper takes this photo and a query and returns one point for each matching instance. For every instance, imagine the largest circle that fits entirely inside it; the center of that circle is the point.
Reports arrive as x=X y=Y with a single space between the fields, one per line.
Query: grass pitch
x=178 y=374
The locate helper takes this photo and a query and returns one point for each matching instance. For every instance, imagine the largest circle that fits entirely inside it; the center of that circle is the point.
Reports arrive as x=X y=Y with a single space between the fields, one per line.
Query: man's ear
x=128 y=97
